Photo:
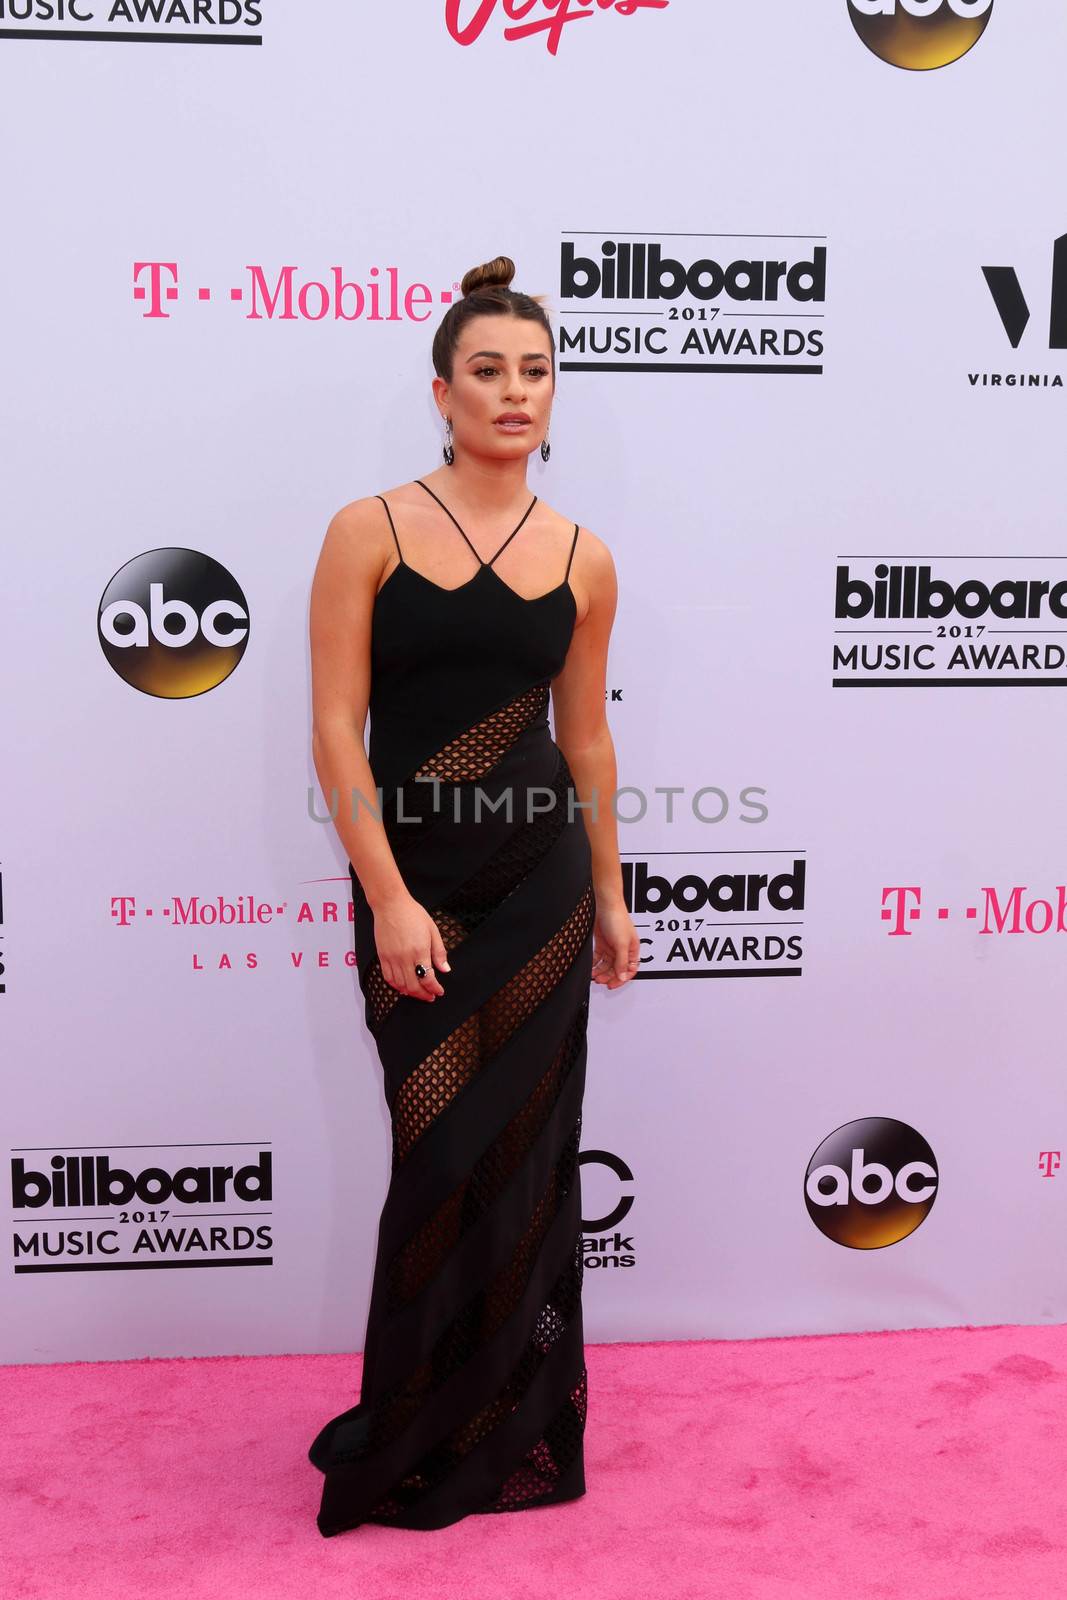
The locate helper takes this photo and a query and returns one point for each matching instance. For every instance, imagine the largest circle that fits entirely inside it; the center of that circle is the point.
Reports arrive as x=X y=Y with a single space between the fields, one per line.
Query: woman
x=481 y=892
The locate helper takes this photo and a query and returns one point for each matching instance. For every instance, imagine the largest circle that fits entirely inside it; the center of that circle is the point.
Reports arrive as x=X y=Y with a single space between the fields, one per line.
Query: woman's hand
x=615 y=946
x=405 y=933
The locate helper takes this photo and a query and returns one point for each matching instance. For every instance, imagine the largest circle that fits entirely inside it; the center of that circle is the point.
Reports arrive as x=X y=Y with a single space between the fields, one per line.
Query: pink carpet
x=928 y=1465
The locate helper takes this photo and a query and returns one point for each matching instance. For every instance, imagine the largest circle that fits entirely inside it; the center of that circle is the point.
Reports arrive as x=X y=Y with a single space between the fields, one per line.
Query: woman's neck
x=486 y=487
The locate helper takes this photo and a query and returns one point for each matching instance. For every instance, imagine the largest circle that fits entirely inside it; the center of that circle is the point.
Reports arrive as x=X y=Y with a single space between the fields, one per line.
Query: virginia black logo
x=1011 y=303
x=870 y=1183
x=920 y=34
x=173 y=623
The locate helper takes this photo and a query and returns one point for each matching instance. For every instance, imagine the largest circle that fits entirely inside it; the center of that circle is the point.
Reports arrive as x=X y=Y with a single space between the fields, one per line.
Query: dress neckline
x=483 y=566
x=523 y=599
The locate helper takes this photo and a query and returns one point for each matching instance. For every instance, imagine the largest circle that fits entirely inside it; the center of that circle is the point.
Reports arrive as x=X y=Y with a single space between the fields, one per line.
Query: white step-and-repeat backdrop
x=807 y=269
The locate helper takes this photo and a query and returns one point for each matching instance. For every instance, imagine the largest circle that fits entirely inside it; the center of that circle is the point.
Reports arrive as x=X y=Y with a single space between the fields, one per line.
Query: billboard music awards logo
x=605 y=1247
x=949 y=622
x=920 y=34
x=136 y=21
x=870 y=1183
x=699 y=916
x=696 y=303
x=141 y=1207
x=173 y=623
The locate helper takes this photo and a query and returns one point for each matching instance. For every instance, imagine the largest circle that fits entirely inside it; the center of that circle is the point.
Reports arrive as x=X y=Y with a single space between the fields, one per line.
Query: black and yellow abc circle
x=870 y=1183
x=920 y=35
x=173 y=623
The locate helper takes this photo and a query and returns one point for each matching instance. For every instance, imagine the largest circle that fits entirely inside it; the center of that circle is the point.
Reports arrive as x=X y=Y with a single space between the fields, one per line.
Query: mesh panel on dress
x=423 y=1254
x=434 y=1467
x=475 y=752
x=538 y=1475
x=471 y=902
x=483 y=1315
x=434 y=1083
x=468 y=756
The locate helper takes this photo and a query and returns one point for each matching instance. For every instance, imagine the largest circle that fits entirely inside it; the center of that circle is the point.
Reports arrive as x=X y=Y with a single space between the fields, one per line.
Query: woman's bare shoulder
x=595 y=546
x=592 y=573
x=357 y=515
x=593 y=560
x=369 y=512
x=356 y=543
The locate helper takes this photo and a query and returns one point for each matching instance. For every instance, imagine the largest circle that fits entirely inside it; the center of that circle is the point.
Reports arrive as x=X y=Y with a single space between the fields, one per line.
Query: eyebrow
x=498 y=355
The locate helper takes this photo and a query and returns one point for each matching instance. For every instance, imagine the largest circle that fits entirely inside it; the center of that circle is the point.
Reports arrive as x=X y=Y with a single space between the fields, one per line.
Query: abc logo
x=173 y=623
x=871 y=1183
x=920 y=34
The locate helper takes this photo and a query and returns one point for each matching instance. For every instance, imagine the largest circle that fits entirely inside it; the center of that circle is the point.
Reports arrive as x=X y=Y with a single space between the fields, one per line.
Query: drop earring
x=449 y=452
x=546 y=448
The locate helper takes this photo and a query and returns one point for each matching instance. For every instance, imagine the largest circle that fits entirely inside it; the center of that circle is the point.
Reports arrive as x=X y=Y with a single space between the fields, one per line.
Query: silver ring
x=420 y=970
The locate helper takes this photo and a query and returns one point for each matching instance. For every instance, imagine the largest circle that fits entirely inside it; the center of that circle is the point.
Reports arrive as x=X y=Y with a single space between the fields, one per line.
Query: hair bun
x=487 y=291
x=490 y=275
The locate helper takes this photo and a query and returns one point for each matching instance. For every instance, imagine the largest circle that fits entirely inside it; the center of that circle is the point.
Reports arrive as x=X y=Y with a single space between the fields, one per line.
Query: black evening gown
x=474 y=1387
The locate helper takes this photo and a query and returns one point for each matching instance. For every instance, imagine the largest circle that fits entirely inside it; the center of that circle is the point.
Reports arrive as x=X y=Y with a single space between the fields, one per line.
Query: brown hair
x=486 y=293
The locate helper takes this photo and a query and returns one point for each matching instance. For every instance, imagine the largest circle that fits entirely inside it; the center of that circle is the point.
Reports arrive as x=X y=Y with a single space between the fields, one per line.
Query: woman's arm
x=581 y=730
x=342 y=601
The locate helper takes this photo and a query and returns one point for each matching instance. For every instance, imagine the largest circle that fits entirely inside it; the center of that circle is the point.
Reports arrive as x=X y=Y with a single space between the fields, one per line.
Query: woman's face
x=502 y=365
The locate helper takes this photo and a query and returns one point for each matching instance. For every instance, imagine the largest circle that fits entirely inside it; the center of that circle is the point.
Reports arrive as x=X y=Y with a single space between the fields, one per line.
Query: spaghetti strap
x=448 y=513
x=513 y=532
x=445 y=509
x=570 y=558
x=389 y=514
